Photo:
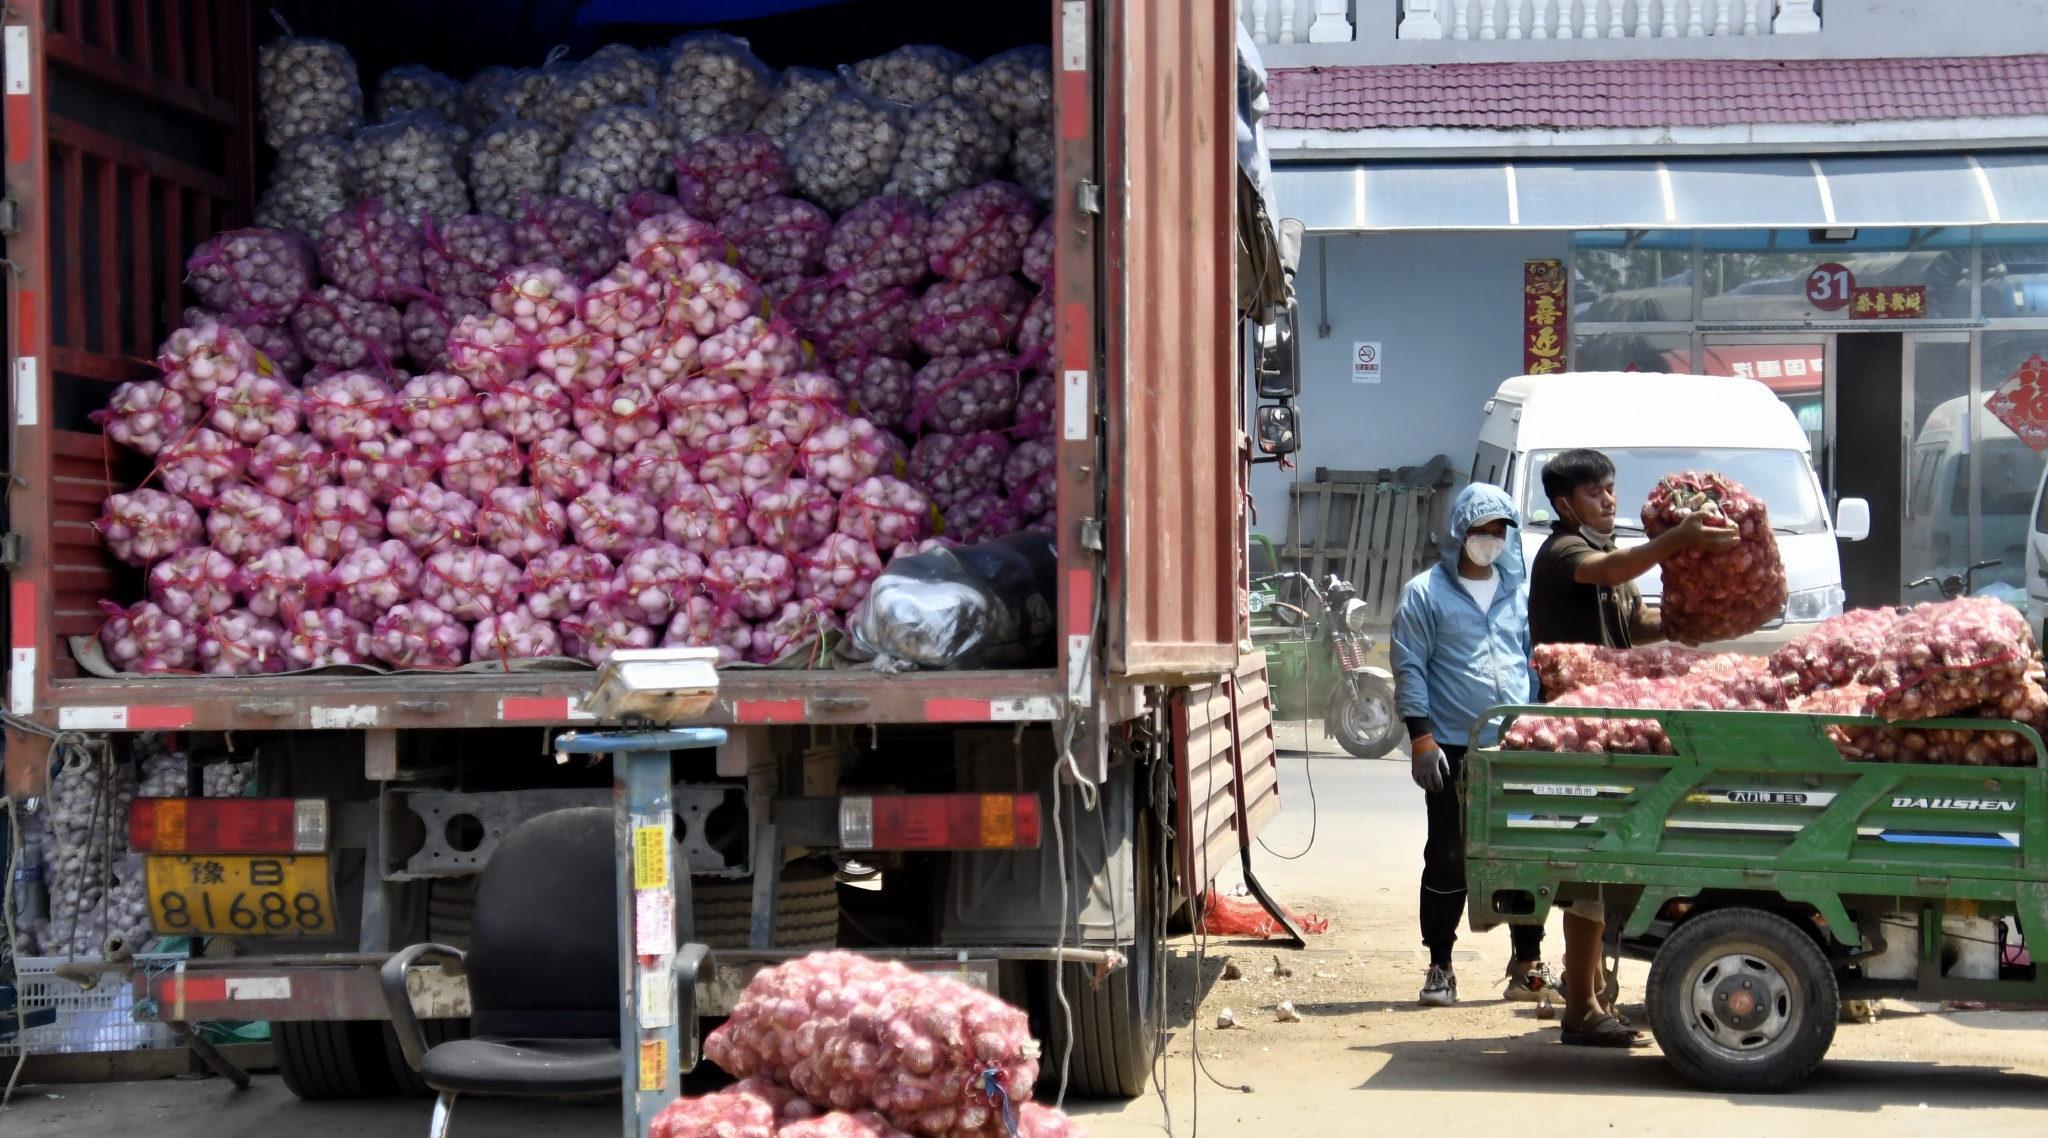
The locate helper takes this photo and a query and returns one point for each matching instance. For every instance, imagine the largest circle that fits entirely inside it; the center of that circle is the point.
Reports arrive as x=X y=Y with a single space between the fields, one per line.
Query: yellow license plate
x=215 y=895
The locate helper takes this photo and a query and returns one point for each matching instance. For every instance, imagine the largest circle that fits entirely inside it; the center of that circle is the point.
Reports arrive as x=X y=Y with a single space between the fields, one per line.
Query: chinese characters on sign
x=1888 y=302
x=1543 y=317
x=1365 y=361
x=2021 y=402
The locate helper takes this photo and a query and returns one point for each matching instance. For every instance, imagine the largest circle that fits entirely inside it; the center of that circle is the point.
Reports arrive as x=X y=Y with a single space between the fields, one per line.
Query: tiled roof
x=1655 y=92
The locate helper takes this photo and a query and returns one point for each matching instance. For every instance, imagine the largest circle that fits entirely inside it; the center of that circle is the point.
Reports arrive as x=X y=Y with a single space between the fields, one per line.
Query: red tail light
x=227 y=825
x=939 y=822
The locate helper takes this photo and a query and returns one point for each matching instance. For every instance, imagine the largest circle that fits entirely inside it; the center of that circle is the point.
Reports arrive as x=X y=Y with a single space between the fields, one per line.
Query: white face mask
x=1484 y=550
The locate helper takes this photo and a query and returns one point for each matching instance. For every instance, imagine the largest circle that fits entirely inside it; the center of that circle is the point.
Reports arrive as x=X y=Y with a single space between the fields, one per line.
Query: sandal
x=1603 y=1030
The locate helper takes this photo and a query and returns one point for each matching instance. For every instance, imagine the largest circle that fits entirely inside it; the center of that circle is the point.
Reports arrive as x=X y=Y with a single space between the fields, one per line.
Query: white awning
x=1874 y=191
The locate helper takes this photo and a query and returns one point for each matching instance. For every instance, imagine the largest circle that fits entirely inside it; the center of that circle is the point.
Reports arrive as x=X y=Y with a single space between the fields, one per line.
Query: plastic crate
x=96 y=1020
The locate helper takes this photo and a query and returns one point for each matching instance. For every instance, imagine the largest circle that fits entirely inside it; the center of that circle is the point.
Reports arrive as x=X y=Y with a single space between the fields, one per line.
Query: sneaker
x=1439 y=989
x=1526 y=981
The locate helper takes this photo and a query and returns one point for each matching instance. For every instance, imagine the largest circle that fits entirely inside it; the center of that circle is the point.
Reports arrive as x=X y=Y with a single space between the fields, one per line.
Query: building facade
x=1847 y=202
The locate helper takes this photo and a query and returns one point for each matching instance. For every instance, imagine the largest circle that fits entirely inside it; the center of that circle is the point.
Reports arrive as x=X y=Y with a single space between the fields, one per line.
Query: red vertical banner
x=1543 y=317
x=2021 y=402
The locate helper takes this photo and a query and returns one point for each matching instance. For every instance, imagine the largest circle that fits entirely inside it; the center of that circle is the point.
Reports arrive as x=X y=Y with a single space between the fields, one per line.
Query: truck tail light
x=227 y=825
x=939 y=822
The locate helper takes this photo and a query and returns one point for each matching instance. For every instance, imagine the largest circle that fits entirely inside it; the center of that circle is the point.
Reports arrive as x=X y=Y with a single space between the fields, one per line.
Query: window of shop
x=1970 y=304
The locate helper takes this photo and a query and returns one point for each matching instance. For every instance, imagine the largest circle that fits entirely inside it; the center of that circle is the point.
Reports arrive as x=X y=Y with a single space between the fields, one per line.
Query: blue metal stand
x=657 y=1016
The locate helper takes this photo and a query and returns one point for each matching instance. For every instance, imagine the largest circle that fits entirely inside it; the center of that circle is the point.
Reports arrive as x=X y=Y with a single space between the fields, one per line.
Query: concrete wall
x=1447 y=311
x=1850 y=29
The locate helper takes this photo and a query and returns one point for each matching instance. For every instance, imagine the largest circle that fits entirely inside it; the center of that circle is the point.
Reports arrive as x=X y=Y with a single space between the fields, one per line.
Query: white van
x=1938 y=500
x=1653 y=425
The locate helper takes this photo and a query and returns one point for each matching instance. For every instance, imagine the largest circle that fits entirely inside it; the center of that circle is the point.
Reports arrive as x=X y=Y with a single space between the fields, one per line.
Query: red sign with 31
x=1828 y=287
x=2021 y=403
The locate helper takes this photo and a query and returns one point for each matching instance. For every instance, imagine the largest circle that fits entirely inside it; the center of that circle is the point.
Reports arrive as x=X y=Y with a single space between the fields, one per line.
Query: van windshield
x=1782 y=478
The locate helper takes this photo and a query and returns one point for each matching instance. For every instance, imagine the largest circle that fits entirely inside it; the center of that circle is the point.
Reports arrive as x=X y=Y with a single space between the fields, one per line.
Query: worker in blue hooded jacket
x=1461 y=646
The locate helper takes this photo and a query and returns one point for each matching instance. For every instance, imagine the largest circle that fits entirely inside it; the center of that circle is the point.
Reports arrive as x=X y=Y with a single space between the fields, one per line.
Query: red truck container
x=131 y=135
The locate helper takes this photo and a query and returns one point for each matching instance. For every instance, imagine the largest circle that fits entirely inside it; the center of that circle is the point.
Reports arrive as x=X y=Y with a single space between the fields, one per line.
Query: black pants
x=1443 y=873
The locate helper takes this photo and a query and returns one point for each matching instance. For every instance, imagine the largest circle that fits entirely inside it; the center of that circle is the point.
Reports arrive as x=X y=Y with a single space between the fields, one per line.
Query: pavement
x=1363 y=1058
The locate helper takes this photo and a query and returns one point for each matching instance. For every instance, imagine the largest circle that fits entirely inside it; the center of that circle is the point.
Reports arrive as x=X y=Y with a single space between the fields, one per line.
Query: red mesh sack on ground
x=1716 y=596
x=1944 y=657
x=1237 y=916
x=852 y=1033
x=1835 y=653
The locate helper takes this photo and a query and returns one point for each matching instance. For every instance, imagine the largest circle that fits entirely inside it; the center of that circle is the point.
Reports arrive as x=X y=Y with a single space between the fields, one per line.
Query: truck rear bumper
x=345 y=987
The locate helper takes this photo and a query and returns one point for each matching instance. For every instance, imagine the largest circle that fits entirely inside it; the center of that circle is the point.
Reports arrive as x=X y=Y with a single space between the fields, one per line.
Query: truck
x=1767 y=878
x=131 y=135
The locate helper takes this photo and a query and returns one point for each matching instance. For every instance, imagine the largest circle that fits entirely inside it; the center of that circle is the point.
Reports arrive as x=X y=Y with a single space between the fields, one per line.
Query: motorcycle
x=1318 y=660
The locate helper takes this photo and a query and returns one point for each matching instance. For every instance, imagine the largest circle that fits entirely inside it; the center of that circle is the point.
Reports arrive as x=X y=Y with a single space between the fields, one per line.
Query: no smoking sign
x=1365 y=361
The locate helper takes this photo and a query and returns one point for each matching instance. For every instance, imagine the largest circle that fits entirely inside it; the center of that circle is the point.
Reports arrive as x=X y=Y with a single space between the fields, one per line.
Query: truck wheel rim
x=1744 y=1005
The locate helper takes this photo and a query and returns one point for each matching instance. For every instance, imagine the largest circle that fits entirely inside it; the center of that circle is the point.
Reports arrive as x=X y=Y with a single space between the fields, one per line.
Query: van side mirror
x=1852 y=519
x=1278 y=432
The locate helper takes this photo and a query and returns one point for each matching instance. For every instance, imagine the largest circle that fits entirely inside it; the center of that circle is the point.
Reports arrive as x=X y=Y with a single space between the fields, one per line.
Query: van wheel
x=1742 y=1001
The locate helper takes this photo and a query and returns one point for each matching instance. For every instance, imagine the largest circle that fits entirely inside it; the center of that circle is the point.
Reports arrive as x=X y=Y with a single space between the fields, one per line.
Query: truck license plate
x=216 y=895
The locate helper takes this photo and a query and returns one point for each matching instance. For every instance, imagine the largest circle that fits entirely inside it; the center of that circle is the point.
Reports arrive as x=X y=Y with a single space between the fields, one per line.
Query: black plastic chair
x=543 y=968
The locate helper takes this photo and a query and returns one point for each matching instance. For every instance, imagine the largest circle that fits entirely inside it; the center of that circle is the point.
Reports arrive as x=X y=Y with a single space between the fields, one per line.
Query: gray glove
x=1430 y=768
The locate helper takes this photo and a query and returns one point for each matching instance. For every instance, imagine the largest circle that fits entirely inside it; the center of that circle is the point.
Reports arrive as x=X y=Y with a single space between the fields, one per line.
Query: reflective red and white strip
x=145 y=718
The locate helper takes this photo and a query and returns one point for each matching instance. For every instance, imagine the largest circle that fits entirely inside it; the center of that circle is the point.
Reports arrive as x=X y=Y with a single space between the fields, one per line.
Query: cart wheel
x=1742 y=1001
x=1366 y=725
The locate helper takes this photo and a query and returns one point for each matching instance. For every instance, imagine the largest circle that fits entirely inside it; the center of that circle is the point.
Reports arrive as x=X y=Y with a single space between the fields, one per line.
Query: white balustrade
x=1327 y=21
x=1570 y=19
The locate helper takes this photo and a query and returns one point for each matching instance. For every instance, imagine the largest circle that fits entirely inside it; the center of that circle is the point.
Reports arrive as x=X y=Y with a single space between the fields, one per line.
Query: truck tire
x=449 y=901
x=1742 y=1002
x=1366 y=725
x=1116 y=1022
x=332 y=1059
x=806 y=909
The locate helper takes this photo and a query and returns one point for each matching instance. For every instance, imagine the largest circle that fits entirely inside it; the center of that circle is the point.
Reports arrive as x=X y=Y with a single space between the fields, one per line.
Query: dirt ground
x=1362 y=1059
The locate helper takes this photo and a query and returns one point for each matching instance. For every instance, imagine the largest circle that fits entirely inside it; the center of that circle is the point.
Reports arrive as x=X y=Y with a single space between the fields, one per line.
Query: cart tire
x=1116 y=1022
x=1366 y=725
x=806 y=909
x=437 y=1031
x=1743 y=1002
x=332 y=1059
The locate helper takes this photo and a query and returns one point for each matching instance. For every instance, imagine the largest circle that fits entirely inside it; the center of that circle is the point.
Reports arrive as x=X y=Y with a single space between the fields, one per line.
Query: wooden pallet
x=1367 y=528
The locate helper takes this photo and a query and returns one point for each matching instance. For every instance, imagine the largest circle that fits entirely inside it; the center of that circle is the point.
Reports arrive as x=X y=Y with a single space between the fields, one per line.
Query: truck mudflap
x=344 y=986
x=1749 y=802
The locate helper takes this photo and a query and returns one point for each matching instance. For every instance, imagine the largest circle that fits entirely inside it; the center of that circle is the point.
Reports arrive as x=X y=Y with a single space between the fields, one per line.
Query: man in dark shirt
x=1582 y=591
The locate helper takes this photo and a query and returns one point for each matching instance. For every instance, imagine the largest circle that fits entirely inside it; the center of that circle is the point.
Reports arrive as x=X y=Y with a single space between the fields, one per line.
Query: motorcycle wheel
x=1366 y=724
